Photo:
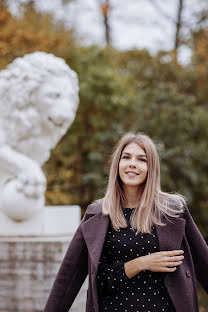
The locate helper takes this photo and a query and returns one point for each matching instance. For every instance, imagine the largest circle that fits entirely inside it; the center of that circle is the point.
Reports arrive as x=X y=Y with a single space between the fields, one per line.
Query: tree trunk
x=105 y=12
x=178 y=27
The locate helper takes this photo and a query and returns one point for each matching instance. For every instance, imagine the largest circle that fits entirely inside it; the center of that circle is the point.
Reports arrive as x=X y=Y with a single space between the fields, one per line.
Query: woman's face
x=133 y=165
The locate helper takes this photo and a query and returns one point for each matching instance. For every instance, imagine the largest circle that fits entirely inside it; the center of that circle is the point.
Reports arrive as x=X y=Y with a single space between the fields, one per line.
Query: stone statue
x=38 y=103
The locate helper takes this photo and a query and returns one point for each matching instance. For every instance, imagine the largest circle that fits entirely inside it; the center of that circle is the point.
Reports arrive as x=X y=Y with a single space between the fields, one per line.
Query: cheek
x=120 y=168
x=145 y=169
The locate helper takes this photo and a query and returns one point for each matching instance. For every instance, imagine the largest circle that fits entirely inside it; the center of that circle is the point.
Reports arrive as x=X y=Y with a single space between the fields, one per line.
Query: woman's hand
x=162 y=261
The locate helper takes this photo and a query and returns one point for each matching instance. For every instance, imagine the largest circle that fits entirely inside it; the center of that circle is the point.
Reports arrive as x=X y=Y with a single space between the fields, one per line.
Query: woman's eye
x=125 y=157
x=143 y=159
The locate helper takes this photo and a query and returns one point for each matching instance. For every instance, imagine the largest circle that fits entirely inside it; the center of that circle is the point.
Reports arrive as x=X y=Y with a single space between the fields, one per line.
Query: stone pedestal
x=29 y=263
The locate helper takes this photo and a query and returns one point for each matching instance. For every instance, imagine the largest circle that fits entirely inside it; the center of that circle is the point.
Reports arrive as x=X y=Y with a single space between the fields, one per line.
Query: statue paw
x=23 y=197
x=32 y=185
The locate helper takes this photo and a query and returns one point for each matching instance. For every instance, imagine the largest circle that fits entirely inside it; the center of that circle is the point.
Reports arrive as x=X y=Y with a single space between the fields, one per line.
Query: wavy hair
x=154 y=204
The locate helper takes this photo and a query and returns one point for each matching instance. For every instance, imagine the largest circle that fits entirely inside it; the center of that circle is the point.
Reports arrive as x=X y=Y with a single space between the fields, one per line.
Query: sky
x=134 y=23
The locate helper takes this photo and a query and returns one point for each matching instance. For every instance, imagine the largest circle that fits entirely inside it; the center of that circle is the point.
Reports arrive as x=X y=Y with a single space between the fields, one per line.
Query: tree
x=32 y=32
x=168 y=109
x=177 y=22
x=122 y=91
x=105 y=8
x=178 y=26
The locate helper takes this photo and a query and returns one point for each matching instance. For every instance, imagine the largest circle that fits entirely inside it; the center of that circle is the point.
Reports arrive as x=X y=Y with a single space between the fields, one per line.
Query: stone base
x=27 y=272
x=29 y=265
x=53 y=220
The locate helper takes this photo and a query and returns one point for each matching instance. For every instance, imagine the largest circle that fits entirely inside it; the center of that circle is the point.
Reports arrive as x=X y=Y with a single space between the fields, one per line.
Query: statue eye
x=54 y=95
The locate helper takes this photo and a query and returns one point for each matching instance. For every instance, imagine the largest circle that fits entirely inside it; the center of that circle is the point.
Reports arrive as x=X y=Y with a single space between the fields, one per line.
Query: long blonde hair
x=153 y=204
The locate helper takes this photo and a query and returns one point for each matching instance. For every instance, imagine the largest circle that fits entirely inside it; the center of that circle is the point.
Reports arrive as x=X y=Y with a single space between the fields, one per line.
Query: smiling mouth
x=54 y=122
x=131 y=174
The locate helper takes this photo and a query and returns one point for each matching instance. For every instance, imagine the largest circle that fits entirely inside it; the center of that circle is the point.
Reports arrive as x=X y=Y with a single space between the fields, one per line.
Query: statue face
x=57 y=103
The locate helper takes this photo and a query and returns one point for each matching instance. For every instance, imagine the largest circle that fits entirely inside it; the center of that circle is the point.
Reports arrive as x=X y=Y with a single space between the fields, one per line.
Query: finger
x=174 y=253
x=167 y=269
x=174 y=258
x=170 y=269
x=173 y=264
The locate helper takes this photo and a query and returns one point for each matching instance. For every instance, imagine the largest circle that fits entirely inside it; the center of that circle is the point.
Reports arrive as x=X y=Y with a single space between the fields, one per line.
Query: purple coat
x=83 y=254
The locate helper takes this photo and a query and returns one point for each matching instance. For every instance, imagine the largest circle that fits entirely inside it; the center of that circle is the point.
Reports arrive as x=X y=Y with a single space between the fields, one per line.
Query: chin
x=133 y=184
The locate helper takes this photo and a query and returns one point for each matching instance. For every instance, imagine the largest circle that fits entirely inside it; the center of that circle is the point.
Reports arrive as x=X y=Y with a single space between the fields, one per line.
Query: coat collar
x=95 y=229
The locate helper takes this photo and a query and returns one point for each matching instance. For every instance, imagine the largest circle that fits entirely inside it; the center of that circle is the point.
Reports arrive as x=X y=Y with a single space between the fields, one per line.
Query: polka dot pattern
x=116 y=292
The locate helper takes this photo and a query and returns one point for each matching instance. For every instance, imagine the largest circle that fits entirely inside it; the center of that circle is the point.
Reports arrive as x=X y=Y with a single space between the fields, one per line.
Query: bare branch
x=105 y=9
x=163 y=13
x=178 y=24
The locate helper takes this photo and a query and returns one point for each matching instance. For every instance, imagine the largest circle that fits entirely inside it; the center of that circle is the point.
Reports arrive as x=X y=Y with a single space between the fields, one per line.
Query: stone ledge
x=52 y=223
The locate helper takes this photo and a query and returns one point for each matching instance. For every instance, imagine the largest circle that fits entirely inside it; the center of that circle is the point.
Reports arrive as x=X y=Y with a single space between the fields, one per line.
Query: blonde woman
x=139 y=245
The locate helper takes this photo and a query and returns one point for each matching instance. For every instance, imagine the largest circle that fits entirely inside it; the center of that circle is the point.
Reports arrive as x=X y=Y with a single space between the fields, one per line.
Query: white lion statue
x=38 y=103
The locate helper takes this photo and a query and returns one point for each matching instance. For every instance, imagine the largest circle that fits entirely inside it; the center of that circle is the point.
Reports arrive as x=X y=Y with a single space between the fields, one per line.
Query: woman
x=139 y=245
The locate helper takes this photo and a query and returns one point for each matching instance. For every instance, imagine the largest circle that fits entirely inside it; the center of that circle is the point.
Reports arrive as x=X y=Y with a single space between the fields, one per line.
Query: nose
x=61 y=117
x=132 y=163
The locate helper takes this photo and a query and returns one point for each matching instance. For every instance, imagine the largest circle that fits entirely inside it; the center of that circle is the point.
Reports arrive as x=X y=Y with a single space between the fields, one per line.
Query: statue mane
x=24 y=114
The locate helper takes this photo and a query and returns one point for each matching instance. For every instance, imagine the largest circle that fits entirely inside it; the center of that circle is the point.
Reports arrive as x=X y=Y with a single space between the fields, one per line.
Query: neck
x=133 y=196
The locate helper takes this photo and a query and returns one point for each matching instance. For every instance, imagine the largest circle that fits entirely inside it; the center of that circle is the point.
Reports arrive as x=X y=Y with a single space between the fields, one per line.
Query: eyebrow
x=140 y=155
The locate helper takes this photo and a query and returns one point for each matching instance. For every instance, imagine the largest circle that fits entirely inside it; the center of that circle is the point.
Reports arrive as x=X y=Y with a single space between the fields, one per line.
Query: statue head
x=39 y=99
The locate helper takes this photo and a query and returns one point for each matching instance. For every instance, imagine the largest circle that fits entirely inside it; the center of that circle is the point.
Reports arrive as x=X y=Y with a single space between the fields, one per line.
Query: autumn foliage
x=31 y=32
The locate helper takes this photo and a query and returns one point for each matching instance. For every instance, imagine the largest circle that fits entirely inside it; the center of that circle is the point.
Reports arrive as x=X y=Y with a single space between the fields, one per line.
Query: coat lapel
x=170 y=236
x=94 y=231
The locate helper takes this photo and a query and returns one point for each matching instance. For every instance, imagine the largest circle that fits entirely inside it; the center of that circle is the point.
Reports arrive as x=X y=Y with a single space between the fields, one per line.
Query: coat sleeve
x=71 y=275
x=199 y=249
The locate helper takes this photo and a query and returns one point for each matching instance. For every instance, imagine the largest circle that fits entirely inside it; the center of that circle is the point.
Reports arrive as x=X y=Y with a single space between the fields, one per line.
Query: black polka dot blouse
x=145 y=292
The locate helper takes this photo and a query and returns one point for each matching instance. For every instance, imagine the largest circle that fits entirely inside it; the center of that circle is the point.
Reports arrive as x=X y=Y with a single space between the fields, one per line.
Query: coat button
x=188 y=274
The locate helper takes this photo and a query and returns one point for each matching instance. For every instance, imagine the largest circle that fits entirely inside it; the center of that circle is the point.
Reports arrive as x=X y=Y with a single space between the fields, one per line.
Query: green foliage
x=168 y=109
x=124 y=91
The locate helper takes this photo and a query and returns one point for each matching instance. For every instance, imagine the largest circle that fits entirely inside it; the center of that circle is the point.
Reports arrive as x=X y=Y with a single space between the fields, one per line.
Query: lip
x=132 y=172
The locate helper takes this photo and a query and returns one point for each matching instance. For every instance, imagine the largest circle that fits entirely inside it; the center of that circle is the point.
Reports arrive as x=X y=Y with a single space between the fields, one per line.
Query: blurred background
x=142 y=66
